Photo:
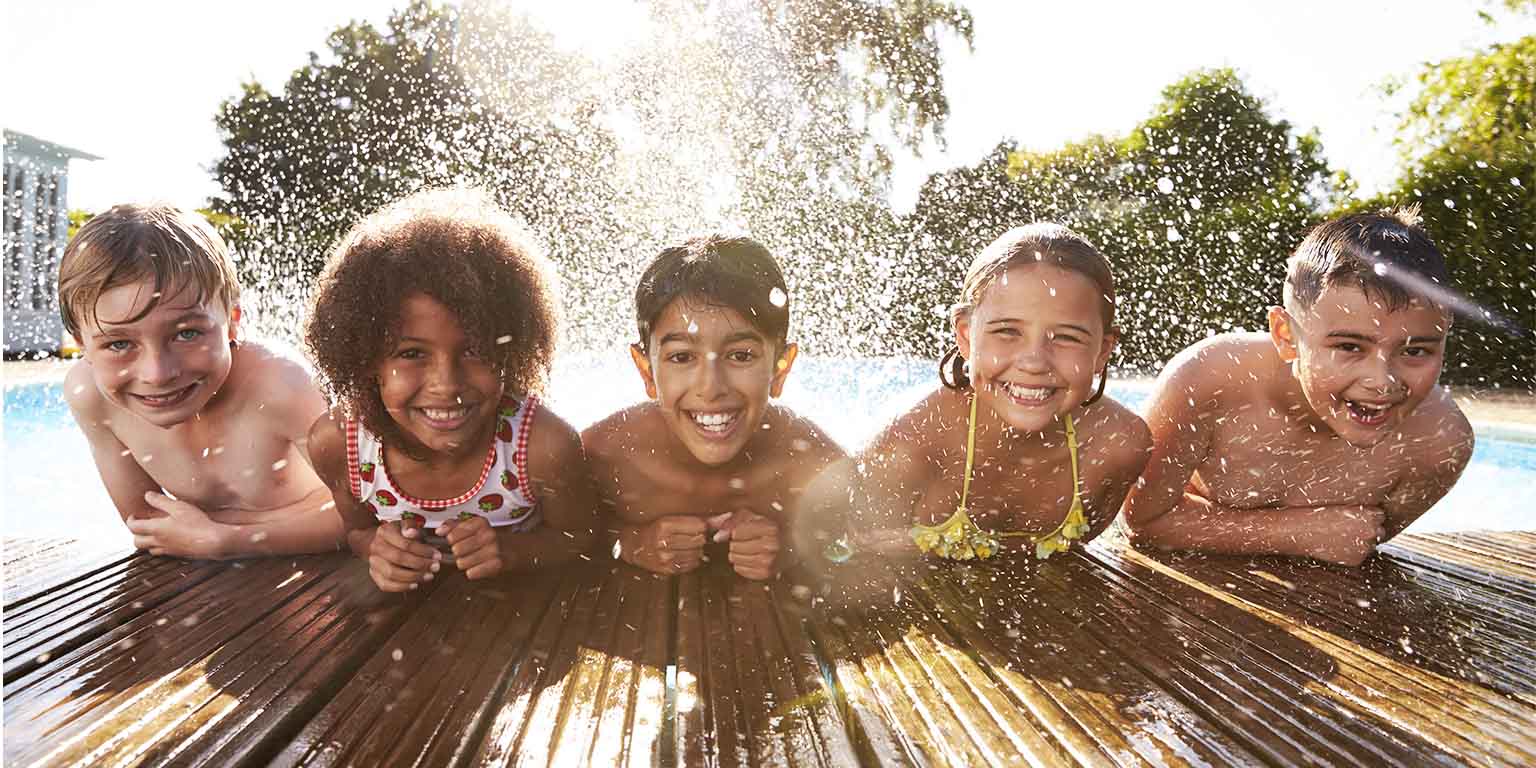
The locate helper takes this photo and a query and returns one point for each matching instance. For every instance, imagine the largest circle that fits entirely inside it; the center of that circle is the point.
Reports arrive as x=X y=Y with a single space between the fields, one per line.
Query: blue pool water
x=51 y=486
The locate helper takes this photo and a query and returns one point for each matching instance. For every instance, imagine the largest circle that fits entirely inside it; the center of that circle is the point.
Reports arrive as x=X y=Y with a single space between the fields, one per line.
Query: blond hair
x=129 y=243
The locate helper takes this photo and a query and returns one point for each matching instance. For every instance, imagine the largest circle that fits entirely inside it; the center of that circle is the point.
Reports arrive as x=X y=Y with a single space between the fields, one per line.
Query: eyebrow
x=679 y=336
x=1357 y=336
x=1068 y=326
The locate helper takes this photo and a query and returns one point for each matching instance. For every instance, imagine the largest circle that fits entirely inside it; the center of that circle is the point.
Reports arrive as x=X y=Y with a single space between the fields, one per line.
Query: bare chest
x=1018 y=494
x=1267 y=460
x=235 y=466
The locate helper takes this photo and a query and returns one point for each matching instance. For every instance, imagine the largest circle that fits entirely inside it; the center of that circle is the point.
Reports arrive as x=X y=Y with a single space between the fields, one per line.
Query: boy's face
x=712 y=372
x=432 y=384
x=1362 y=369
x=1034 y=343
x=166 y=366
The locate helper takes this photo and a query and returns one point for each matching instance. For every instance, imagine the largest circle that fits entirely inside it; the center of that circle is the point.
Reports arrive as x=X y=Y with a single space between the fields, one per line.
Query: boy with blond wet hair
x=708 y=457
x=1328 y=435
x=198 y=436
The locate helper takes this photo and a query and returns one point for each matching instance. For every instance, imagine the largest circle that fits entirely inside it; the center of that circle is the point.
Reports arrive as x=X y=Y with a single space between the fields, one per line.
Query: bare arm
x=1157 y=507
x=1128 y=446
x=126 y=482
x=562 y=484
x=1433 y=474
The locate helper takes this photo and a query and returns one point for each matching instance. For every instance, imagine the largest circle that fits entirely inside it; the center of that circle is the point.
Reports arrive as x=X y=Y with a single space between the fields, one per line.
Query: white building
x=36 y=227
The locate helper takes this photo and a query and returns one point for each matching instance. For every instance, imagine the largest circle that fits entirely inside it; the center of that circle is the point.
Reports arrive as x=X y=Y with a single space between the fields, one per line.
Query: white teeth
x=445 y=414
x=714 y=422
x=1027 y=393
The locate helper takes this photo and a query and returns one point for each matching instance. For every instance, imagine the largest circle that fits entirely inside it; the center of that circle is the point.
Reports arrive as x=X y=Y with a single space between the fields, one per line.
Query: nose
x=445 y=376
x=1381 y=376
x=711 y=378
x=1031 y=356
x=159 y=367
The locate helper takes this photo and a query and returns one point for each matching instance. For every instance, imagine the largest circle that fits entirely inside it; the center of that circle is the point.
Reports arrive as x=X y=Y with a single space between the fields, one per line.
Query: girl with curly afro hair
x=433 y=327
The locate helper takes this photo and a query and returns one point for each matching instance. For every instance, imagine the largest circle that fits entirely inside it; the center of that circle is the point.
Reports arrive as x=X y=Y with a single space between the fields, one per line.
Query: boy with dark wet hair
x=708 y=457
x=199 y=436
x=1328 y=435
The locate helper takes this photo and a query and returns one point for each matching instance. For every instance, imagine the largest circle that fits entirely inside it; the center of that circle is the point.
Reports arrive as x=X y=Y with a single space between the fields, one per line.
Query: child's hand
x=476 y=549
x=1351 y=533
x=398 y=561
x=666 y=545
x=754 y=542
x=183 y=531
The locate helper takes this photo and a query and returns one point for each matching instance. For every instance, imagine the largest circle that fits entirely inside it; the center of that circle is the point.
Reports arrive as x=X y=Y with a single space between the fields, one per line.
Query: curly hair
x=457 y=247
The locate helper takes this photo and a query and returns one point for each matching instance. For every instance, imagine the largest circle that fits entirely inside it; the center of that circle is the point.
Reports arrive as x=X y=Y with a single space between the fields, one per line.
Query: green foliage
x=1469 y=141
x=77 y=219
x=1196 y=208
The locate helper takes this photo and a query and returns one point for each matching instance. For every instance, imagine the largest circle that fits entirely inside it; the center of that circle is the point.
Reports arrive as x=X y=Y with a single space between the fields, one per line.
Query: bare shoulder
x=1222 y=364
x=917 y=432
x=553 y=436
x=1438 y=434
x=1115 y=432
x=271 y=369
x=619 y=432
x=80 y=392
x=328 y=444
x=804 y=436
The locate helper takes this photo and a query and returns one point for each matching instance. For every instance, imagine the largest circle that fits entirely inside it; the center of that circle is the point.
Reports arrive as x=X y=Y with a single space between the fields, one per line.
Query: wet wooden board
x=1109 y=656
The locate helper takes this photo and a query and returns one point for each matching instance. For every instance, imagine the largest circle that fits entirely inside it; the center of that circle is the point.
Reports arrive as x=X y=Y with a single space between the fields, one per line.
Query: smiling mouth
x=1026 y=396
x=168 y=399
x=1367 y=414
x=446 y=419
x=715 y=424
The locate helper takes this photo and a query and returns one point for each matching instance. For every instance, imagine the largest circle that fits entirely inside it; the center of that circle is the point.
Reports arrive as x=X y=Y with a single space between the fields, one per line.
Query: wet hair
x=1386 y=254
x=734 y=272
x=175 y=248
x=1038 y=243
x=456 y=246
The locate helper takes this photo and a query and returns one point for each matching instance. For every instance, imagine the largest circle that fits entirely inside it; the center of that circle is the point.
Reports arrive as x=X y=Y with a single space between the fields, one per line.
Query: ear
x=781 y=369
x=643 y=365
x=1106 y=348
x=1282 y=333
x=234 y=323
x=961 y=322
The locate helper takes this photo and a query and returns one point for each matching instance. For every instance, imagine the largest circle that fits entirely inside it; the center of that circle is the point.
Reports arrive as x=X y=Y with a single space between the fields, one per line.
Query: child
x=1327 y=435
x=433 y=326
x=708 y=457
x=1017 y=446
x=197 y=434
x=1330 y=433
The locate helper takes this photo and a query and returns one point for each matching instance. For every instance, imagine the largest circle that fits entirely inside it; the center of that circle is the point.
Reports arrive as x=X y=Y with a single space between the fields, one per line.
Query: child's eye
x=1347 y=346
x=1065 y=338
x=742 y=355
x=1418 y=352
x=679 y=357
x=1005 y=332
x=409 y=353
x=188 y=334
x=118 y=345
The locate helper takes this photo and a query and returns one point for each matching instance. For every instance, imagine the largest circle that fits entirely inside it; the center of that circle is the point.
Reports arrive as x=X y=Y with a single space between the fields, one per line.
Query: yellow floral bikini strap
x=970 y=454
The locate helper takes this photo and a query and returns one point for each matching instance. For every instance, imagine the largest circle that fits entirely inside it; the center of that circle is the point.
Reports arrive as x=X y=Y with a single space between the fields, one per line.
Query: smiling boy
x=1330 y=434
x=708 y=456
x=197 y=435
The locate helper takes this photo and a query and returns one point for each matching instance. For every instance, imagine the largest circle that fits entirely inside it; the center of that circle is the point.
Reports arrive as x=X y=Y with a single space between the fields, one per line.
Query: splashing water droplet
x=777 y=297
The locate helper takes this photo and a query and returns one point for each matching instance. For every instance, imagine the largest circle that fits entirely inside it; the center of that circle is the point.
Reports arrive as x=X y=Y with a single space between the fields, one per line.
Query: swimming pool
x=51 y=486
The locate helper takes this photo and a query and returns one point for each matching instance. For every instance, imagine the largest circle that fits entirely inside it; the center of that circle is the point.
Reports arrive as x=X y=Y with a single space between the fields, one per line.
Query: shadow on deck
x=1106 y=657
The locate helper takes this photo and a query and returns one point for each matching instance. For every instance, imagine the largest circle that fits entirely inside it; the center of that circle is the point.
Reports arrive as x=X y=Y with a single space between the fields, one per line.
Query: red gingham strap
x=520 y=458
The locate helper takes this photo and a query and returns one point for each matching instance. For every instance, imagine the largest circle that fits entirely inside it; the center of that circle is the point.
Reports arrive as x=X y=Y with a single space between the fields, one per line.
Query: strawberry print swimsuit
x=501 y=496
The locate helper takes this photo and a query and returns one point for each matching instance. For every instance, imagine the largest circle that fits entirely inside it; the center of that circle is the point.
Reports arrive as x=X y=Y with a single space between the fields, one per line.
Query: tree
x=1469 y=145
x=1196 y=208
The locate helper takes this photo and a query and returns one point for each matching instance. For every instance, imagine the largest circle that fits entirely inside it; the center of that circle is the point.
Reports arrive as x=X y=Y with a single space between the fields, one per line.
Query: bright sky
x=138 y=83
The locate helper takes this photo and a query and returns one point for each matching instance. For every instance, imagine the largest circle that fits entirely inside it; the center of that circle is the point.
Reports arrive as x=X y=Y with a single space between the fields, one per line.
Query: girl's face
x=434 y=386
x=1034 y=342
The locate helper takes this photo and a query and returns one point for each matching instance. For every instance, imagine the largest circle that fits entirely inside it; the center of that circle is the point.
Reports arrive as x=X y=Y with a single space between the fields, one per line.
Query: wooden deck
x=1426 y=656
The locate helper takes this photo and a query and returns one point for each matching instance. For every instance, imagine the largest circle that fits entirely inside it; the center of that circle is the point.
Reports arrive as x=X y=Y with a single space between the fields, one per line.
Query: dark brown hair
x=1387 y=254
x=1038 y=243
x=129 y=243
x=734 y=272
x=457 y=247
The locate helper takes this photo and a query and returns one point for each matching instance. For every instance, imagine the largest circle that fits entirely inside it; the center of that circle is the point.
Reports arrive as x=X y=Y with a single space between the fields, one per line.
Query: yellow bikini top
x=959 y=538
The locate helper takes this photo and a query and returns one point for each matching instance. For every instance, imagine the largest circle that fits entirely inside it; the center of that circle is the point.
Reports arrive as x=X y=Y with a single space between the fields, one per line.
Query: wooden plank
x=33 y=565
x=1463 y=720
x=428 y=690
x=168 y=674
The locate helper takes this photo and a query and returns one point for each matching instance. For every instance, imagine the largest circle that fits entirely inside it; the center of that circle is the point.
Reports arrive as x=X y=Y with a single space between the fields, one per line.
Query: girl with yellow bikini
x=1019 y=448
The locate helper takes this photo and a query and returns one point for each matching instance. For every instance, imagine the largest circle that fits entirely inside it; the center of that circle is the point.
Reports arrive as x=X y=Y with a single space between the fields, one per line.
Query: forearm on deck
x=1200 y=524
x=311 y=524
